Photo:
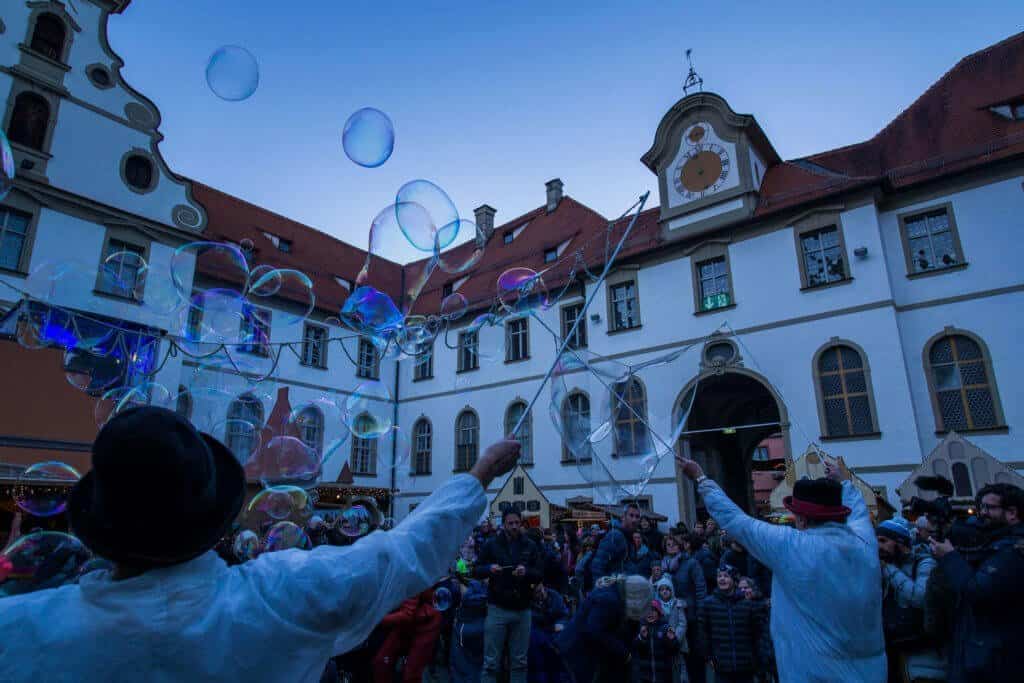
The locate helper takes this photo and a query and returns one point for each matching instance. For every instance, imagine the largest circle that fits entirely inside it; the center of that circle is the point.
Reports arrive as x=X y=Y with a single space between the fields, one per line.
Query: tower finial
x=693 y=79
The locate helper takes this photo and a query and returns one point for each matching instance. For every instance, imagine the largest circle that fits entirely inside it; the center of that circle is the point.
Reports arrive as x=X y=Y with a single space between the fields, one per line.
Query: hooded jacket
x=653 y=652
x=687 y=580
x=673 y=611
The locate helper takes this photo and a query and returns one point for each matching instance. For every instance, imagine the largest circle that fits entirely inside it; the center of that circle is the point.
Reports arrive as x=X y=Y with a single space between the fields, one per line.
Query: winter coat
x=987 y=627
x=826 y=614
x=903 y=592
x=674 y=611
x=748 y=566
x=555 y=576
x=611 y=555
x=467 y=644
x=653 y=538
x=653 y=654
x=505 y=589
x=729 y=632
x=597 y=639
x=708 y=562
x=687 y=581
x=640 y=560
x=583 y=572
x=552 y=611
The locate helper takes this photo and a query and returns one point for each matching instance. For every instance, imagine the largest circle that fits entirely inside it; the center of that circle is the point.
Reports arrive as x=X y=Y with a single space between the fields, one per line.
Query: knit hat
x=730 y=570
x=637 y=593
x=896 y=530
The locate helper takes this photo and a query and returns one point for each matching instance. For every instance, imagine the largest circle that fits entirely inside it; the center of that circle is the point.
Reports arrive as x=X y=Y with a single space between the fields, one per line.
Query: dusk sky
x=491 y=100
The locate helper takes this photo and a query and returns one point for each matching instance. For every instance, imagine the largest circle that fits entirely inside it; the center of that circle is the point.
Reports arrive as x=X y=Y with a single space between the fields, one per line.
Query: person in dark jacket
x=512 y=563
x=597 y=639
x=466 y=659
x=652 y=537
x=554 y=575
x=654 y=649
x=730 y=631
x=989 y=594
x=735 y=555
x=549 y=615
x=640 y=558
x=696 y=546
x=613 y=551
x=690 y=584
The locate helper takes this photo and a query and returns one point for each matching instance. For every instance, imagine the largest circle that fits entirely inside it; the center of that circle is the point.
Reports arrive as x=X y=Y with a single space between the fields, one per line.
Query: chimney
x=554 y=193
x=485 y=221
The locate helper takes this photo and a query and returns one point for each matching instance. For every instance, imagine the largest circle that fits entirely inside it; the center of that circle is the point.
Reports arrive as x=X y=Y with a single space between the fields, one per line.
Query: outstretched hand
x=499 y=458
x=690 y=467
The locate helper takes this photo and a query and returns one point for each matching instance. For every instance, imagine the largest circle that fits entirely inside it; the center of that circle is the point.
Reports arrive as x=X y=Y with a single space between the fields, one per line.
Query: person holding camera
x=988 y=627
x=906 y=569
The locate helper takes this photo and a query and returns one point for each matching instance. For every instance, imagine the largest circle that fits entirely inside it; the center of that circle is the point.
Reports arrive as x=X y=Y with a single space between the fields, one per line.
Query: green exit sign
x=719 y=300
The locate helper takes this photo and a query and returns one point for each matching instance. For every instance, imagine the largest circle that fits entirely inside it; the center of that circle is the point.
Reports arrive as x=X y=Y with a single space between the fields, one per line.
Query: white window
x=625 y=307
x=517 y=340
x=314 y=346
x=364 y=451
x=515 y=413
x=368 y=365
x=469 y=344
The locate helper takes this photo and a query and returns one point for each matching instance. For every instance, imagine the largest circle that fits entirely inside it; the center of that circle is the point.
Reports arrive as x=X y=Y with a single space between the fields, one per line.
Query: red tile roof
x=948 y=129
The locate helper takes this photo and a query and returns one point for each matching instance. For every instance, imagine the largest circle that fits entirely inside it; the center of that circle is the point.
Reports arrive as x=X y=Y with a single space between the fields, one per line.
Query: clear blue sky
x=490 y=100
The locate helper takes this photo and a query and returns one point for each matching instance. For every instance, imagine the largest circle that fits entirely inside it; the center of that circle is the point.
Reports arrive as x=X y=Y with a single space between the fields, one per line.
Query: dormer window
x=507 y=237
x=550 y=255
x=1013 y=111
x=448 y=289
x=284 y=245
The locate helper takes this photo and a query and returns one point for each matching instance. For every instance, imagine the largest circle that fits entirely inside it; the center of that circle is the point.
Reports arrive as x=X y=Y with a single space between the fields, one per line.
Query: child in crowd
x=655 y=649
x=731 y=631
x=674 y=610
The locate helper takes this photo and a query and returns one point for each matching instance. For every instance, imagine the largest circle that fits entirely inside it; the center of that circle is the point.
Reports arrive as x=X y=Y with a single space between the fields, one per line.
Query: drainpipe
x=394 y=413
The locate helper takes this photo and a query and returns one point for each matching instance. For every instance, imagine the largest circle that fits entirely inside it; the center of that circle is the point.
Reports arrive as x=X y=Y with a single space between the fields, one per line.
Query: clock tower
x=710 y=162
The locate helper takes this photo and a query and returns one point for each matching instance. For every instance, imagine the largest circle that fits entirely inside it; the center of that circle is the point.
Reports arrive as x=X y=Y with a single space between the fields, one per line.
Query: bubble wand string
x=583 y=313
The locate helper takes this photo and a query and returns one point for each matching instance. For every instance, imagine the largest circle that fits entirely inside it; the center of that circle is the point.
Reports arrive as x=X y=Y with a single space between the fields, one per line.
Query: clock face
x=705 y=166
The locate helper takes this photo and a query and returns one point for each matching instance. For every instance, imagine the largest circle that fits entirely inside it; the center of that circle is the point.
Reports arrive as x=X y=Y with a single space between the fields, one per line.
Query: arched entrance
x=733 y=411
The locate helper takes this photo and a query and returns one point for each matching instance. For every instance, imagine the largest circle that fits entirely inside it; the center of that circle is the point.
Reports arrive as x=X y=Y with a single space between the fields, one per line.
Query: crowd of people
x=732 y=599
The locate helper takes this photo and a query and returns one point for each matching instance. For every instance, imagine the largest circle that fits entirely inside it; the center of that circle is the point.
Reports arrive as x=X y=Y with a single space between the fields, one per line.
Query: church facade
x=863 y=298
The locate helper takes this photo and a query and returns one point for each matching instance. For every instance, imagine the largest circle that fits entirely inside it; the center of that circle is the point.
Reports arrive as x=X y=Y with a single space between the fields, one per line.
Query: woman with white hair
x=597 y=639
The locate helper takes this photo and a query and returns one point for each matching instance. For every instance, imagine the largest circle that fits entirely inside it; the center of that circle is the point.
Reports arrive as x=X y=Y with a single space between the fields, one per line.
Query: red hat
x=820 y=499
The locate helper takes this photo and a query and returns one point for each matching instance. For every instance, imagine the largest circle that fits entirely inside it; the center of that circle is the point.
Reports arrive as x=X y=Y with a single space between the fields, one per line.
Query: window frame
x=625 y=276
x=16 y=203
x=507 y=237
x=234 y=415
x=418 y=452
x=364 y=371
x=954 y=231
x=553 y=253
x=630 y=418
x=700 y=255
x=519 y=486
x=816 y=375
x=371 y=452
x=997 y=405
x=568 y=457
x=579 y=340
x=308 y=344
x=816 y=223
x=516 y=338
x=319 y=426
x=464 y=465
x=525 y=435
x=18 y=91
x=464 y=348
x=262 y=317
x=423 y=366
x=128 y=238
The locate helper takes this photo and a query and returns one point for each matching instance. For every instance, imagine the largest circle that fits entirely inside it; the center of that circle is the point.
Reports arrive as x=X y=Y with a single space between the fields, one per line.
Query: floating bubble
x=454 y=306
x=224 y=260
x=41 y=560
x=43 y=488
x=368 y=411
x=119 y=274
x=521 y=290
x=368 y=137
x=93 y=372
x=157 y=291
x=215 y=317
x=243 y=437
x=119 y=399
x=354 y=522
x=284 y=536
x=442 y=599
x=426 y=215
x=206 y=406
x=286 y=460
x=292 y=285
x=371 y=311
x=246 y=545
x=461 y=258
x=232 y=73
x=278 y=502
x=95 y=564
x=386 y=238
x=63 y=283
x=6 y=166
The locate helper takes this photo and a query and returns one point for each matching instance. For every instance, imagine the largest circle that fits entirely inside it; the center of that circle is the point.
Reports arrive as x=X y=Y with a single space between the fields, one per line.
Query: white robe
x=278 y=618
x=826 y=606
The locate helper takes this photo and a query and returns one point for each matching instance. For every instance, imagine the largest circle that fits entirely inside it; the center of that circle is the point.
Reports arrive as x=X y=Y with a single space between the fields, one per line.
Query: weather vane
x=693 y=80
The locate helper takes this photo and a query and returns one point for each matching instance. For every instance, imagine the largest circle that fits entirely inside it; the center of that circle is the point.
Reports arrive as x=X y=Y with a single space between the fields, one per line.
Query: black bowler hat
x=159 y=491
x=820 y=499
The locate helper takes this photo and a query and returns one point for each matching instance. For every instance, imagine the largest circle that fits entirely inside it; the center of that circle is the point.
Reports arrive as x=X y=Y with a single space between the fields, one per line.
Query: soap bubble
x=286 y=283
x=214 y=317
x=277 y=502
x=232 y=73
x=41 y=560
x=246 y=545
x=461 y=258
x=207 y=405
x=454 y=307
x=426 y=215
x=119 y=275
x=354 y=521
x=285 y=535
x=65 y=283
x=44 y=487
x=286 y=460
x=118 y=399
x=368 y=411
x=368 y=310
x=6 y=166
x=442 y=599
x=521 y=290
x=93 y=371
x=225 y=260
x=243 y=437
x=368 y=137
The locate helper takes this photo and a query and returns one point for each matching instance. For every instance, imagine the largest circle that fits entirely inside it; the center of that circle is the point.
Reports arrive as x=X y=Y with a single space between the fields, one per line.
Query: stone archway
x=728 y=398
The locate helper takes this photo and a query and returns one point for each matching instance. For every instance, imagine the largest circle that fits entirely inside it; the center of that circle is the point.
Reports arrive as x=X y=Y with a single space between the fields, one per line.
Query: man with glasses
x=988 y=626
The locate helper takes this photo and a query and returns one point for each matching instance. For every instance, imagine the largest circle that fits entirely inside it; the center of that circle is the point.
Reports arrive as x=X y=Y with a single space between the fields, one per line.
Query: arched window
x=467 y=440
x=183 y=403
x=29 y=120
x=629 y=408
x=963 y=391
x=961 y=481
x=423 y=437
x=576 y=427
x=525 y=436
x=48 y=37
x=844 y=392
x=364 y=451
x=245 y=419
x=310 y=422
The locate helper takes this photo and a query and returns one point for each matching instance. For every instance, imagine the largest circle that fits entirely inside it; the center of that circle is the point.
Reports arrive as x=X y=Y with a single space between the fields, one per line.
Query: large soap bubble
x=43 y=488
x=435 y=226
x=232 y=73
x=368 y=137
x=41 y=560
x=284 y=536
